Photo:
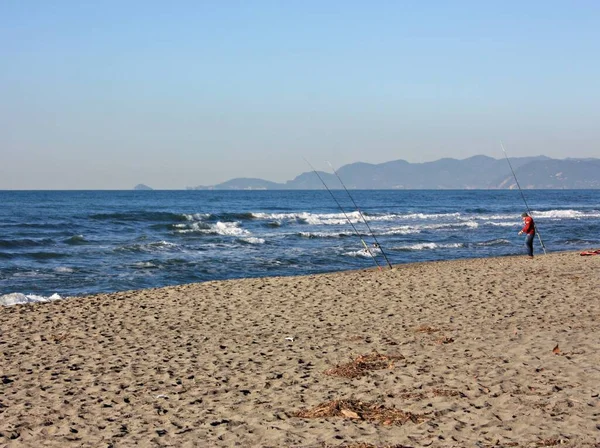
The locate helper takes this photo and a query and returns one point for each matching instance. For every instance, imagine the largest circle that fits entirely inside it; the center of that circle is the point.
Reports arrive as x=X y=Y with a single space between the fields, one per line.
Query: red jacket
x=529 y=227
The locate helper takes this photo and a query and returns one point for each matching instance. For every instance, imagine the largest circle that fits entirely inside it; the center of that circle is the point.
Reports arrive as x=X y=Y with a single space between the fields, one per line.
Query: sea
x=57 y=244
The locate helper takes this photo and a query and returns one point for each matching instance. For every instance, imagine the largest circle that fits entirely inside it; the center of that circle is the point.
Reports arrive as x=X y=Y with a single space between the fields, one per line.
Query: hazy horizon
x=111 y=95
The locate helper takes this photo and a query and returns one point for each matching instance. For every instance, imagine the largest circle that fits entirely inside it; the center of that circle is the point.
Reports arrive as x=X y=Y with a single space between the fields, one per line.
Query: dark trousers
x=529 y=243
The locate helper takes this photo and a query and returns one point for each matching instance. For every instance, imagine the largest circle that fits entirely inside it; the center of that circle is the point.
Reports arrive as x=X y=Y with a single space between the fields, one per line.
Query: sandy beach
x=492 y=352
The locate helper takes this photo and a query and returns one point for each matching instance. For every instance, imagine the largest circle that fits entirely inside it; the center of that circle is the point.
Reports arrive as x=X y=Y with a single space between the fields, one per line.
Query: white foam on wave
x=565 y=214
x=430 y=215
x=325 y=234
x=429 y=246
x=64 y=270
x=274 y=216
x=312 y=218
x=166 y=244
x=229 y=229
x=373 y=251
x=194 y=227
x=470 y=224
x=254 y=240
x=331 y=218
x=197 y=216
x=17 y=298
x=219 y=228
x=402 y=230
x=158 y=245
x=488 y=217
x=502 y=224
x=387 y=217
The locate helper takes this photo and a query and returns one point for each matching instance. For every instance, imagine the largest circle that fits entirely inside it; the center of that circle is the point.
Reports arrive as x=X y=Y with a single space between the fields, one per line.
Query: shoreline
x=37 y=299
x=487 y=350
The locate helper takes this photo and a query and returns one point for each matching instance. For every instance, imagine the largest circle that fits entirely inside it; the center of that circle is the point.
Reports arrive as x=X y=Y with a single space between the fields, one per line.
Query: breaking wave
x=76 y=240
x=17 y=298
x=428 y=246
x=565 y=214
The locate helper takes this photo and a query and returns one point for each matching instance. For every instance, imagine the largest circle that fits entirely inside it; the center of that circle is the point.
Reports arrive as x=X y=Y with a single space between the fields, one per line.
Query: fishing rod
x=362 y=216
x=523 y=196
x=340 y=207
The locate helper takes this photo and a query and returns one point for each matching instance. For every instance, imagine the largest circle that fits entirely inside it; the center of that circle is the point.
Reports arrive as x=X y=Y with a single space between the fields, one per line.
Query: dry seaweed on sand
x=363 y=364
x=355 y=409
x=540 y=443
x=426 y=329
x=365 y=445
x=419 y=394
x=445 y=340
x=551 y=442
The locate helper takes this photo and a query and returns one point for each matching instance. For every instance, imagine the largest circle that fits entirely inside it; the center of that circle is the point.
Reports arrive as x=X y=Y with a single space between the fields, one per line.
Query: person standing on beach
x=529 y=231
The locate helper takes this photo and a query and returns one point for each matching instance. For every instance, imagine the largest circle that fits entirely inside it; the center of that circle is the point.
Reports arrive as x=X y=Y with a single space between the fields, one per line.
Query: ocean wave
x=150 y=247
x=384 y=217
x=477 y=210
x=225 y=216
x=325 y=234
x=565 y=214
x=312 y=218
x=44 y=255
x=273 y=224
x=243 y=216
x=354 y=217
x=548 y=214
x=428 y=246
x=160 y=263
x=425 y=216
x=194 y=227
x=139 y=216
x=16 y=298
x=402 y=230
x=15 y=244
x=253 y=240
x=229 y=229
x=76 y=240
x=504 y=217
x=452 y=225
x=218 y=228
x=495 y=242
x=580 y=243
x=36 y=225
x=372 y=252
x=144 y=265
x=406 y=216
x=196 y=216
x=503 y=224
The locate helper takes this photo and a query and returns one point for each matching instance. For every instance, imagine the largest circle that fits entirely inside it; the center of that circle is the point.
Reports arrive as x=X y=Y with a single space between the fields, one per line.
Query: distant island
x=142 y=187
x=477 y=172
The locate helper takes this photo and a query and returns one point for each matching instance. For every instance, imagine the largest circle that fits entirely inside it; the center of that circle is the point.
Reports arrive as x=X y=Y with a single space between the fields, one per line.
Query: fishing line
x=523 y=196
x=362 y=216
x=340 y=207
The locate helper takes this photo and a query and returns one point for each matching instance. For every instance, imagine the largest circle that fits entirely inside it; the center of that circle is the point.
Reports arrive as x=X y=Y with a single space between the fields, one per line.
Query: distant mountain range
x=477 y=172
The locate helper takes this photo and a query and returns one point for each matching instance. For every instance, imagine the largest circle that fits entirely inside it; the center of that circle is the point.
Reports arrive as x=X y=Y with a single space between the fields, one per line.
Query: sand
x=470 y=353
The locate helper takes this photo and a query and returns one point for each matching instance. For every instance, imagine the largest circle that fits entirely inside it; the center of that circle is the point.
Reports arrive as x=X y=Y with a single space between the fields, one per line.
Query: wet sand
x=484 y=352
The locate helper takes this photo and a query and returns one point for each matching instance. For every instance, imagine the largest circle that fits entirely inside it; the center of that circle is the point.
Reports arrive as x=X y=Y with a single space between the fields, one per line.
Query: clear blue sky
x=108 y=94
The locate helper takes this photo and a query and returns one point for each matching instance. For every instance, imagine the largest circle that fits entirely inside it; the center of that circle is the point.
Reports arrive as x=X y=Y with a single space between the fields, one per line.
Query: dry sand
x=475 y=353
